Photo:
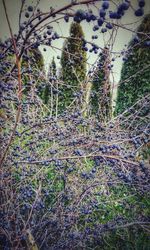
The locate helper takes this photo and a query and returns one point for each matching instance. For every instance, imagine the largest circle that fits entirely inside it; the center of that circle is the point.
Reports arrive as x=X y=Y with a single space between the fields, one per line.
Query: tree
x=33 y=70
x=33 y=81
x=50 y=94
x=73 y=62
x=47 y=93
x=101 y=95
x=135 y=74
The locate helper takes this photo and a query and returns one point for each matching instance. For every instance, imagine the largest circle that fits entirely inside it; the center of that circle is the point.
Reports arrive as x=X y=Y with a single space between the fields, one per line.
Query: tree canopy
x=73 y=62
x=101 y=89
x=135 y=74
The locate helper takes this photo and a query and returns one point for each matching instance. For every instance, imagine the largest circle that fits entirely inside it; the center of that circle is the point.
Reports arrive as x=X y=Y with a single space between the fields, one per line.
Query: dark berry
x=141 y=3
x=109 y=26
x=66 y=18
x=103 y=30
x=113 y=15
x=96 y=27
x=102 y=13
x=124 y=6
x=100 y=22
x=30 y=8
x=136 y=39
x=139 y=12
x=27 y=15
x=105 y=5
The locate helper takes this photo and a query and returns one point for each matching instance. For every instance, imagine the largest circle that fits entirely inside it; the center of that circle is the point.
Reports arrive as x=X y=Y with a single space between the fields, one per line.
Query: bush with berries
x=69 y=179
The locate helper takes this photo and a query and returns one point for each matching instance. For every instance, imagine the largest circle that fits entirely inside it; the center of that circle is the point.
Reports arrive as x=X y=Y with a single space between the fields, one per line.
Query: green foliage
x=50 y=86
x=101 y=95
x=135 y=74
x=73 y=62
x=33 y=67
x=126 y=239
x=53 y=67
x=117 y=206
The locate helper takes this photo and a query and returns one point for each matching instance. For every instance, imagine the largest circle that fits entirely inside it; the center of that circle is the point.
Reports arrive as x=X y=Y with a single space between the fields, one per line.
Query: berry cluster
x=68 y=181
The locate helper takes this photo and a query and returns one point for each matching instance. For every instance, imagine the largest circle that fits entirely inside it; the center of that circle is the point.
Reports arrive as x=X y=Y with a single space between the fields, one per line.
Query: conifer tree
x=73 y=63
x=33 y=70
x=135 y=74
x=50 y=88
x=101 y=90
x=53 y=66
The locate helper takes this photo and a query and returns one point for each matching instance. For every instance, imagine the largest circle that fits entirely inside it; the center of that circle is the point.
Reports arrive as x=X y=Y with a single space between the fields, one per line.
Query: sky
x=62 y=28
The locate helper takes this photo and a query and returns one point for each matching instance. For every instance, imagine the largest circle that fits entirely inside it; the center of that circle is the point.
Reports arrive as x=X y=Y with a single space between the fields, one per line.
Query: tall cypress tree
x=33 y=82
x=33 y=70
x=53 y=66
x=135 y=74
x=101 y=90
x=73 y=62
x=50 y=88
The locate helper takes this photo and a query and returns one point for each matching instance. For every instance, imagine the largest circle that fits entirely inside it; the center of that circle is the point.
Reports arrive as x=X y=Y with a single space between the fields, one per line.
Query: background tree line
x=68 y=89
